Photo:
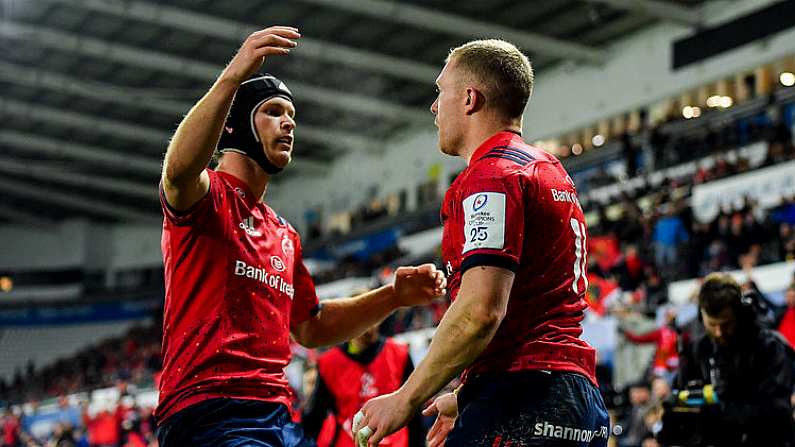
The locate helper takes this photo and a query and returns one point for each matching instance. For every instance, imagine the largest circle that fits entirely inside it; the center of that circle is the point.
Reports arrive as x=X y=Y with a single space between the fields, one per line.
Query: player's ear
x=474 y=100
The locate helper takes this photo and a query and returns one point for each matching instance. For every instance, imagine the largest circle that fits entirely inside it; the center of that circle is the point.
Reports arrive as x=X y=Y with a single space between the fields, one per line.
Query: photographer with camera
x=735 y=374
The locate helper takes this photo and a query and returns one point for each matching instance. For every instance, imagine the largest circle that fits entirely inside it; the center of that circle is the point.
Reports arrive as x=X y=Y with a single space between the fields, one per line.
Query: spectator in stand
x=62 y=436
x=600 y=292
x=147 y=426
x=630 y=227
x=666 y=358
x=786 y=246
x=669 y=232
x=129 y=420
x=746 y=236
x=785 y=212
x=659 y=141
x=700 y=239
x=654 y=291
x=131 y=433
x=629 y=269
x=103 y=427
x=630 y=152
x=635 y=430
x=81 y=437
x=722 y=167
x=786 y=324
x=11 y=429
x=775 y=154
x=660 y=390
x=780 y=149
x=717 y=256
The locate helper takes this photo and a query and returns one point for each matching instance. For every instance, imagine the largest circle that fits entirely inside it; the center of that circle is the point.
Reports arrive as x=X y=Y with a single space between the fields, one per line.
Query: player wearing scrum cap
x=236 y=285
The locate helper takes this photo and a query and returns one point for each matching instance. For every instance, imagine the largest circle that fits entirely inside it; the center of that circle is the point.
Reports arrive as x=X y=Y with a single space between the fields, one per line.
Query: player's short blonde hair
x=503 y=71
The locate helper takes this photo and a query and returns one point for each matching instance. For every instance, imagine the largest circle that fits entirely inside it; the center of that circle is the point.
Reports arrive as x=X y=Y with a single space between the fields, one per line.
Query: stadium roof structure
x=93 y=89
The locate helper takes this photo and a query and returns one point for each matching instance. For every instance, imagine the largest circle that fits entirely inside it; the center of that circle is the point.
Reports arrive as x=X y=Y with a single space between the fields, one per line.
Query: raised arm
x=184 y=178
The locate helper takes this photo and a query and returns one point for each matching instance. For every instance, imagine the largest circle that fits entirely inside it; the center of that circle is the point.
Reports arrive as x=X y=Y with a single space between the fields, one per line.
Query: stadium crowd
x=131 y=358
x=633 y=255
x=116 y=423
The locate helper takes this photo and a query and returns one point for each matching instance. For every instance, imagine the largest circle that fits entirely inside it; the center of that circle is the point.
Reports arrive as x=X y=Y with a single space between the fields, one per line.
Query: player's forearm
x=195 y=139
x=345 y=318
x=463 y=334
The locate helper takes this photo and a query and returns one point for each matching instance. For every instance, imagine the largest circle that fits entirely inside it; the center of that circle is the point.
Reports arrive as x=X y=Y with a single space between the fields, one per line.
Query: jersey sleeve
x=305 y=301
x=211 y=201
x=493 y=221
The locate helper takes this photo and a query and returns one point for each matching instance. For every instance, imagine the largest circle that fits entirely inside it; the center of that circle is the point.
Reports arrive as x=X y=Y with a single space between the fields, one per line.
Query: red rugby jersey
x=353 y=383
x=235 y=282
x=515 y=207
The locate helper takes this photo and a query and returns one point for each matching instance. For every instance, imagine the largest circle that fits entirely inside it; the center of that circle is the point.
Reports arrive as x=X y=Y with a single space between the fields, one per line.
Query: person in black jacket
x=750 y=369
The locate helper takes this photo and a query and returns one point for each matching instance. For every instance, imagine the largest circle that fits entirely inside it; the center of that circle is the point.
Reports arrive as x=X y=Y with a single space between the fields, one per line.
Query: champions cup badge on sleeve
x=480 y=202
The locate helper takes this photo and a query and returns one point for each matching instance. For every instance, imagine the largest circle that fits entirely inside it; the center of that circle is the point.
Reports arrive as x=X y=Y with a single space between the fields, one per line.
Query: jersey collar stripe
x=508 y=157
x=510 y=154
x=513 y=151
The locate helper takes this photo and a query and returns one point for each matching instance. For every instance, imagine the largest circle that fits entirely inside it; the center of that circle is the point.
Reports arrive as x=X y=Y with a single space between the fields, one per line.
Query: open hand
x=419 y=285
x=273 y=41
x=446 y=409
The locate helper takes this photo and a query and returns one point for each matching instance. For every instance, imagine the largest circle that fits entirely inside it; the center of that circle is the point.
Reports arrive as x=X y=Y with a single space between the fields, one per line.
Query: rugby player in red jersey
x=514 y=245
x=236 y=285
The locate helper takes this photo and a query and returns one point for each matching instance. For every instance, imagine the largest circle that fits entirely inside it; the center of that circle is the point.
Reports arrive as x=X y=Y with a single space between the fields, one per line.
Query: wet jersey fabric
x=235 y=283
x=515 y=207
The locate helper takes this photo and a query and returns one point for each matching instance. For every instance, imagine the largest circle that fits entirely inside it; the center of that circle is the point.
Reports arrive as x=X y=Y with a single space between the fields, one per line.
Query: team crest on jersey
x=277 y=264
x=287 y=247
